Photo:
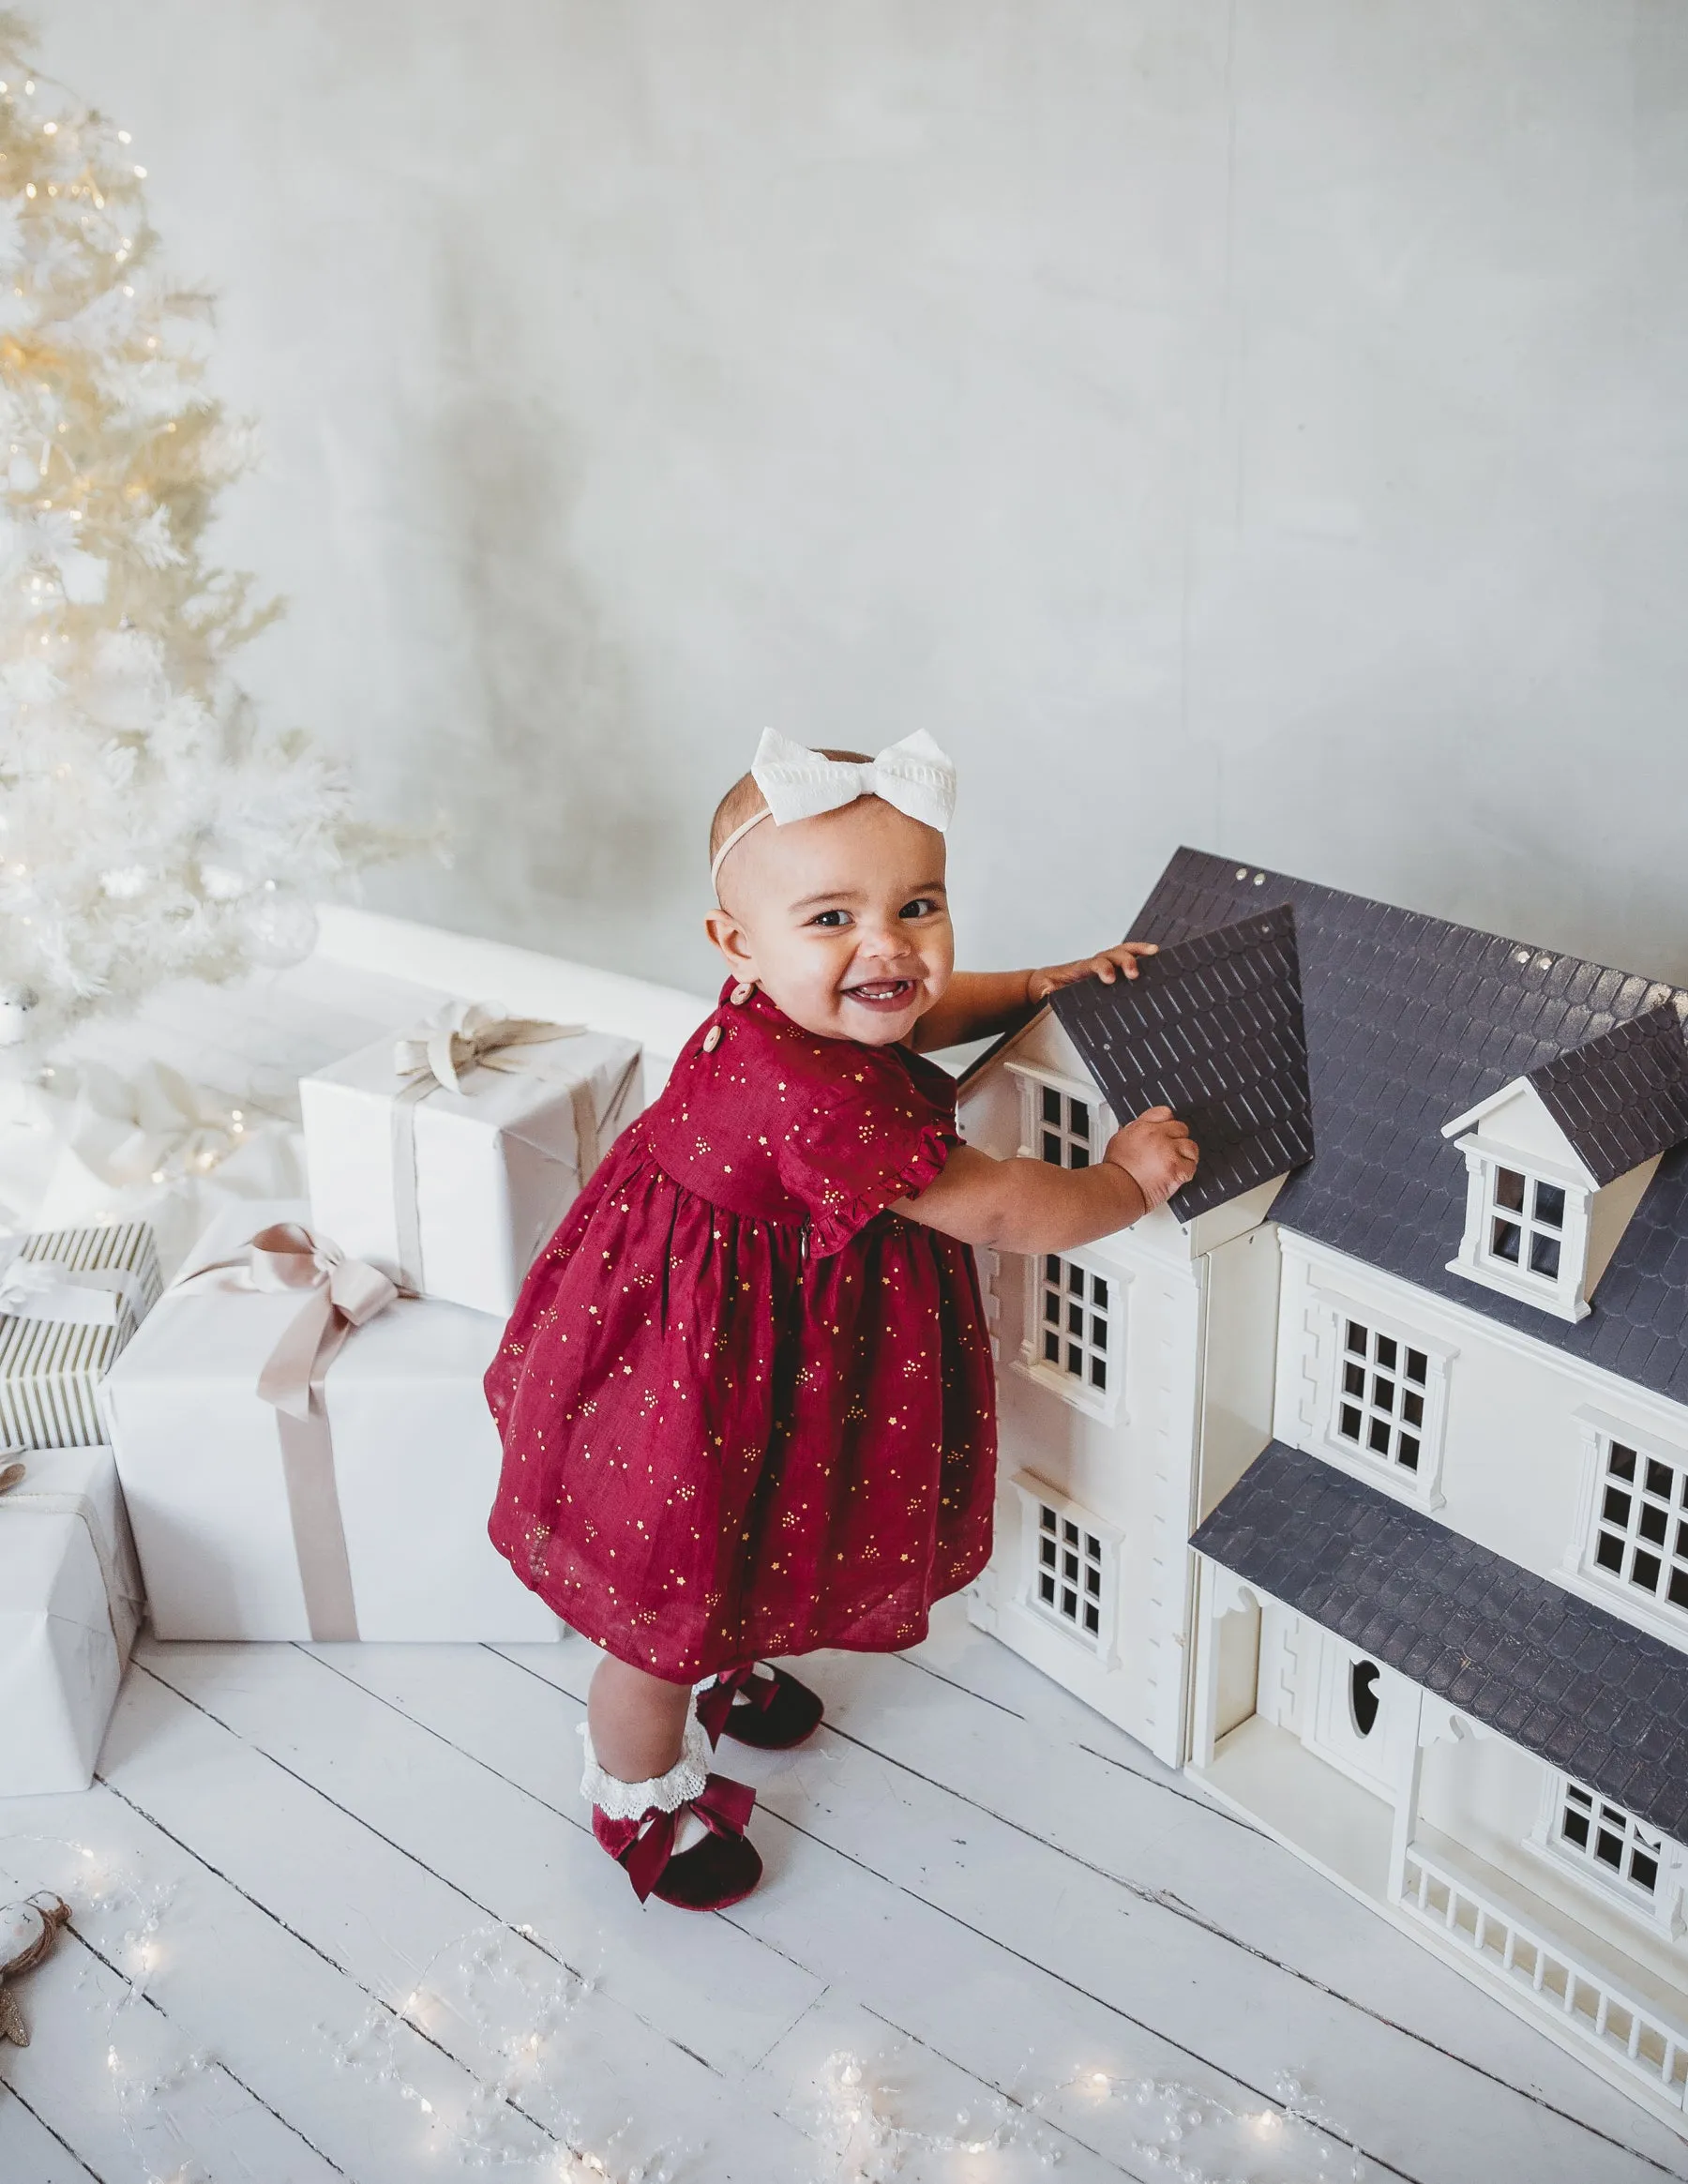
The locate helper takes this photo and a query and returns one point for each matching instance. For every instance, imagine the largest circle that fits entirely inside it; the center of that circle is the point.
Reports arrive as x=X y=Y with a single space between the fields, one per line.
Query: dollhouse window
x=1074 y=1321
x=1064 y=1119
x=1065 y=1128
x=1383 y=1397
x=1526 y=1229
x=1602 y=1836
x=1070 y=1570
x=1525 y=1226
x=1069 y=1567
x=1641 y=1523
x=1073 y=1342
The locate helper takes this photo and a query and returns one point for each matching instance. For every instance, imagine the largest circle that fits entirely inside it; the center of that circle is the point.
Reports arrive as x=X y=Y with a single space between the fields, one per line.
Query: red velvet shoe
x=772 y=1711
x=712 y=1875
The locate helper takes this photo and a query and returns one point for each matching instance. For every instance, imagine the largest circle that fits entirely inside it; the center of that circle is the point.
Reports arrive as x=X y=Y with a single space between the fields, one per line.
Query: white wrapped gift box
x=365 y=1518
x=446 y=1157
x=69 y=1604
x=70 y=1299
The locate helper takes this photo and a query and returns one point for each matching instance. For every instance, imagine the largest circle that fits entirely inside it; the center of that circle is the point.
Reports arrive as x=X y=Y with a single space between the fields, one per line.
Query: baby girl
x=747 y=1396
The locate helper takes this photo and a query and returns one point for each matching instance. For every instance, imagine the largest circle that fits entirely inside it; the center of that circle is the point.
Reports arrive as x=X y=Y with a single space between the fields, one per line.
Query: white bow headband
x=797 y=783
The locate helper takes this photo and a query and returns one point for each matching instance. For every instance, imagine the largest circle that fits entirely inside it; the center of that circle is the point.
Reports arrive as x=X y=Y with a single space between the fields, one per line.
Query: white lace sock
x=663 y=1793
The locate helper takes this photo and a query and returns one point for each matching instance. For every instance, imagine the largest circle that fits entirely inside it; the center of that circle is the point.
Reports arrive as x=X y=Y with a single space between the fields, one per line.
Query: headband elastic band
x=737 y=835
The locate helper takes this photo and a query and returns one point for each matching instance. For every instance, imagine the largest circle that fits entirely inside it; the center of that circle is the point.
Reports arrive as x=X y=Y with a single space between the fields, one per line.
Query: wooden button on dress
x=712 y=1038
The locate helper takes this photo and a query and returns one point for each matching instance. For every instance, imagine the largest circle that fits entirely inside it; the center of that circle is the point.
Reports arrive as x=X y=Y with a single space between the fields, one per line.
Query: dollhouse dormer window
x=1527 y=1226
x=1557 y=1161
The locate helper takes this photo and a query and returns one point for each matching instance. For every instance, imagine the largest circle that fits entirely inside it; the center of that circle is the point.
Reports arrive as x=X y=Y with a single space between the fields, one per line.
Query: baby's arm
x=1031 y=1205
x=983 y=1004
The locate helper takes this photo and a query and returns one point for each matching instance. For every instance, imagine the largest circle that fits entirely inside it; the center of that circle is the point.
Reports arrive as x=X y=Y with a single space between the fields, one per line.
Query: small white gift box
x=69 y=1604
x=447 y=1157
x=306 y=1455
x=70 y=1299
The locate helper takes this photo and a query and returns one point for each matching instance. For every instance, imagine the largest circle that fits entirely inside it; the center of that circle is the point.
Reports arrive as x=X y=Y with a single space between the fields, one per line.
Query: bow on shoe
x=722 y=1805
x=715 y=1704
x=466 y=1036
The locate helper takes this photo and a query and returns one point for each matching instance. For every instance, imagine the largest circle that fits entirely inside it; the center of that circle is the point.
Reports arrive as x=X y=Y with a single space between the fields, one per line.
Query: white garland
x=496 y=2000
x=151 y=827
x=1160 y=2125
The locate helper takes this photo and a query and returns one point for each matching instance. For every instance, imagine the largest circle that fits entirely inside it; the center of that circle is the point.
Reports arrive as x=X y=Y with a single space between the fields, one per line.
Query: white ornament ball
x=17 y=1008
x=280 y=927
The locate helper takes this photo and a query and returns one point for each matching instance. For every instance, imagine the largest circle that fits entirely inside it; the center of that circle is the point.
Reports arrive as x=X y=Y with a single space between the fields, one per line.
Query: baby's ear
x=731 y=939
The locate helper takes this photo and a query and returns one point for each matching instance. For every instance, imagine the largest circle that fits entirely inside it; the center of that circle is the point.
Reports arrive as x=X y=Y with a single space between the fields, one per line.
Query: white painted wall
x=1259 y=425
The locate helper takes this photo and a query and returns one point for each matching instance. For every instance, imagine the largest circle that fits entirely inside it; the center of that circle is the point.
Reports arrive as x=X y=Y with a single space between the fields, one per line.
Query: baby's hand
x=1106 y=966
x=1157 y=1151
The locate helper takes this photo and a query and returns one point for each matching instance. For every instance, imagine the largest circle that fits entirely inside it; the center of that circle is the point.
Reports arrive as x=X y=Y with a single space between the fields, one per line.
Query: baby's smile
x=888 y=995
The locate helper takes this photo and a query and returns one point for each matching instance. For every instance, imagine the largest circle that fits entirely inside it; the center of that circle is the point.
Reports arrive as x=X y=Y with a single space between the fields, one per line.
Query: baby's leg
x=657 y=1809
x=638 y=1721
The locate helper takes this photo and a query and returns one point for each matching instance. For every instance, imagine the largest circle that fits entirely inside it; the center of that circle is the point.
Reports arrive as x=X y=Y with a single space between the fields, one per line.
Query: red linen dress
x=745 y=1409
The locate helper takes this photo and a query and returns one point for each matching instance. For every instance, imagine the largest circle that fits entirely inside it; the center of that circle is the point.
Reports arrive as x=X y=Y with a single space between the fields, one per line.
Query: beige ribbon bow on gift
x=339 y=1294
x=467 y=1036
x=462 y=1036
x=342 y=1293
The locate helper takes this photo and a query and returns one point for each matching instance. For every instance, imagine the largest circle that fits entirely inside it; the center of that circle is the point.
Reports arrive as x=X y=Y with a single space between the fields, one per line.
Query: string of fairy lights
x=485 y=2050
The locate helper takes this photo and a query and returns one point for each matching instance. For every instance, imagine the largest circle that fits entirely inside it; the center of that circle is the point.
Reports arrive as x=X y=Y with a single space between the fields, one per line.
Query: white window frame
x=1562 y=1295
x=1035 y=1495
x=1662 y=1911
x=1653 y=1612
x=1102 y=1404
x=1035 y=1080
x=1423 y=1488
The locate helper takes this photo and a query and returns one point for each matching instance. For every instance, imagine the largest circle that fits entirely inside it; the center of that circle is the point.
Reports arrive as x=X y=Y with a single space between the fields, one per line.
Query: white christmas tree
x=151 y=827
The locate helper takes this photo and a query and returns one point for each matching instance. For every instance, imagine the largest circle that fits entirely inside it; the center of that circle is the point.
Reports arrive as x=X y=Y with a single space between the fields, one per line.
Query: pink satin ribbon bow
x=342 y=1293
x=339 y=1293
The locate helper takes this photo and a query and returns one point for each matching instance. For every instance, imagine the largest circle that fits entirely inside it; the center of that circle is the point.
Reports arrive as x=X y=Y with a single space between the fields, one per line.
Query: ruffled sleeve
x=860 y=1153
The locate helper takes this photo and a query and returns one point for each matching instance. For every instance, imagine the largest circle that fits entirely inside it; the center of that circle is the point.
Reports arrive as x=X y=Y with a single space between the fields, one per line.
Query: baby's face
x=842 y=920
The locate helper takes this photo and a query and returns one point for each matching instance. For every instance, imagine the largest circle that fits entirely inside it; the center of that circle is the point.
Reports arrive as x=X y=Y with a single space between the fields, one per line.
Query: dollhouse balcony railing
x=1628 y=2033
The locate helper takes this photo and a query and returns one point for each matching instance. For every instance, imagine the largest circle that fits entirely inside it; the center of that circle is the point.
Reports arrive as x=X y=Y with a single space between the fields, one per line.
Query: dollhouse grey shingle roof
x=1622 y=1095
x=1410 y=1021
x=1583 y=1690
x=1212 y=1028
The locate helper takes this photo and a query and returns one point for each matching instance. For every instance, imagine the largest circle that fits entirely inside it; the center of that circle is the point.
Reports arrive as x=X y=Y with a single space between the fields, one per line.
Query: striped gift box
x=50 y=1372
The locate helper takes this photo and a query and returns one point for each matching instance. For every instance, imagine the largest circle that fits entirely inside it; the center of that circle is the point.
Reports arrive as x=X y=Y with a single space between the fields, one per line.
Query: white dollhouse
x=1410 y=1366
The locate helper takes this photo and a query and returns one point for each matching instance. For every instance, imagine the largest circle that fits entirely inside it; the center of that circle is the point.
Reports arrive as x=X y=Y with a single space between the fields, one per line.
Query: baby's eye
x=923 y=906
x=831 y=917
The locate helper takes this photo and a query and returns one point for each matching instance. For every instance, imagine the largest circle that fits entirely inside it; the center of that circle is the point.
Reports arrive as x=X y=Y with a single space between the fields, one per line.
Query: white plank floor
x=338 y=1916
